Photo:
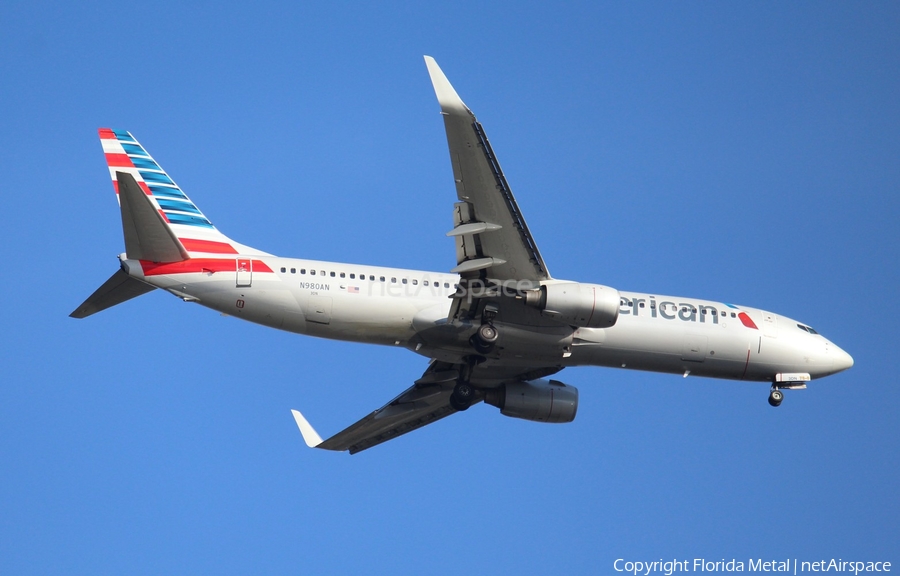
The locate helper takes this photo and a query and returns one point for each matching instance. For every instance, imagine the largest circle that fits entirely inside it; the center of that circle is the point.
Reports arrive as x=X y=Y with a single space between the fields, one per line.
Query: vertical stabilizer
x=147 y=236
x=196 y=236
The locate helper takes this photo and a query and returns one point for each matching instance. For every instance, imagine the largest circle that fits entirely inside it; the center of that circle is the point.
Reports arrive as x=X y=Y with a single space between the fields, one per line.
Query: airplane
x=494 y=328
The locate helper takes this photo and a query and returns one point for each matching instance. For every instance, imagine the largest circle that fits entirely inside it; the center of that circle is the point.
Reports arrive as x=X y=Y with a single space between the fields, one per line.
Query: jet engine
x=537 y=400
x=577 y=304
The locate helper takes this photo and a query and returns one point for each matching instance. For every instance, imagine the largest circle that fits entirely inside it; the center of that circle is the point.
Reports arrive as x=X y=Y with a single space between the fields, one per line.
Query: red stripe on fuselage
x=198 y=265
x=207 y=246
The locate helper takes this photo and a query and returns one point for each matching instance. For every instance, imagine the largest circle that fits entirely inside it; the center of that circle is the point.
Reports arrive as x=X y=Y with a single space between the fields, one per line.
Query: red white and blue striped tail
x=195 y=232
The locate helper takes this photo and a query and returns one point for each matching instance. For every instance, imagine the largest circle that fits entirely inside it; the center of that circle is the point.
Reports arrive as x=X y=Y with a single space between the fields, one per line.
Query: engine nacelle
x=577 y=304
x=537 y=400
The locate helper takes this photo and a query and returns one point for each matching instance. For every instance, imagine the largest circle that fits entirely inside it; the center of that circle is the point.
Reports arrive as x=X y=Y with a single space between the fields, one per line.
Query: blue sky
x=732 y=152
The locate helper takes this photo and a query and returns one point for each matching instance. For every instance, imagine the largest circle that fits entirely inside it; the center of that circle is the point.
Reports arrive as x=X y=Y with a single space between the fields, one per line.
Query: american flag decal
x=353 y=289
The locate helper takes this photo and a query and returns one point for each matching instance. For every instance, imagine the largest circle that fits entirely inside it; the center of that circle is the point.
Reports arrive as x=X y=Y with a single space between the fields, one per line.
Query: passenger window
x=415 y=282
x=424 y=282
x=343 y=275
x=641 y=304
x=393 y=280
x=332 y=274
x=733 y=315
x=446 y=284
x=293 y=270
x=381 y=278
x=371 y=277
x=322 y=272
x=312 y=272
x=404 y=280
x=352 y=275
x=283 y=269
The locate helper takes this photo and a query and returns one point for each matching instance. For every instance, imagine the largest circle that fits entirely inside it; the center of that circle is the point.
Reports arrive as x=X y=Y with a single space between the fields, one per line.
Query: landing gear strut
x=775 y=397
x=462 y=396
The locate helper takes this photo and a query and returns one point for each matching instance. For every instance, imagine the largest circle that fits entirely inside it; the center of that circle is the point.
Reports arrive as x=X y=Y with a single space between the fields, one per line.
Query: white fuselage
x=410 y=308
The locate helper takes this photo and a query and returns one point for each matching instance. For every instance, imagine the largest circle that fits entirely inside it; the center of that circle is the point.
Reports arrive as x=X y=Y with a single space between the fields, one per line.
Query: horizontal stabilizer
x=119 y=288
x=147 y=236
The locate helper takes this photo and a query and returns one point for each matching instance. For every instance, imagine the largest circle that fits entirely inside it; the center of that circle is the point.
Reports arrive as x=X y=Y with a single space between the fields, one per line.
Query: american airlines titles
x=669 y=310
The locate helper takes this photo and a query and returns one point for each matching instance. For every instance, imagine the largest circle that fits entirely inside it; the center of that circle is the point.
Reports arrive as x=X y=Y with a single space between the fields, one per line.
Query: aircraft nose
x=840 y=360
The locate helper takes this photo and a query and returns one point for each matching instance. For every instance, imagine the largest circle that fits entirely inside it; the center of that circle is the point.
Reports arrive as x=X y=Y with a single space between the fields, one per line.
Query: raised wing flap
x=492 y=224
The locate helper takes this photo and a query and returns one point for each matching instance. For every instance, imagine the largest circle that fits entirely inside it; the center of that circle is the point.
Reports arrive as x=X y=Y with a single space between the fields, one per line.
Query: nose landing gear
x=786 y=381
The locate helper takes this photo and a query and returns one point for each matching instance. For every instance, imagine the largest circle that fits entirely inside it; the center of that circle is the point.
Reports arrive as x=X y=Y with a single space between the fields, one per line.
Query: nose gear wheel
x=775 y=397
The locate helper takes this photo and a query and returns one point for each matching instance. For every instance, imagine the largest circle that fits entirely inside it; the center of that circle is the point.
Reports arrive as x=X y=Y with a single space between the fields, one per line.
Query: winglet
x=449 y=100
x=310 y=436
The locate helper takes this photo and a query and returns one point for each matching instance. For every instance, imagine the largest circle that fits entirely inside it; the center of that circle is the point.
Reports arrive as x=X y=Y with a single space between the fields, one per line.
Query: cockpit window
x=806 y=329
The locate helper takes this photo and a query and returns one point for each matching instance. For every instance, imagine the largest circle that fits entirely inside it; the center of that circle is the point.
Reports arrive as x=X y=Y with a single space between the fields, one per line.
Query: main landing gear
x=775 y=397
x=484 y=339
x=487 y=334
x=462 y=397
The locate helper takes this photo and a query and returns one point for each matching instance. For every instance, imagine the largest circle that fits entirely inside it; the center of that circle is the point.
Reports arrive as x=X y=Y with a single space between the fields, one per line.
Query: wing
x=496 y=254
x=426 y=401
x=490 y=231
x=493 y=247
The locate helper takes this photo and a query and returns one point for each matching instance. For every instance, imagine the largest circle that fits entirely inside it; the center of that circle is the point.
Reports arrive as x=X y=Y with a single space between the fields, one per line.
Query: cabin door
x=244 y=272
